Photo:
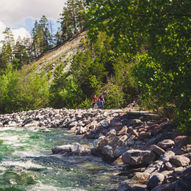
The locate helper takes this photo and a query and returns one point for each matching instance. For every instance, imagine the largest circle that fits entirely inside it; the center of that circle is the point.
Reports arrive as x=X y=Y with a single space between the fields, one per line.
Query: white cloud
x=20 y=33
x=14 y=12
x=17 y=33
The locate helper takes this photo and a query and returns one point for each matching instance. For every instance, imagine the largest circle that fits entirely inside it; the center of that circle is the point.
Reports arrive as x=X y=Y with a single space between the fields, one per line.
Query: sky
x=20 y=15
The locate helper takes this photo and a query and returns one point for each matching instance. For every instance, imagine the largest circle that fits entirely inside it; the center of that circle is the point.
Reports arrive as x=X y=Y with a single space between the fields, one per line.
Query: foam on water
x=24 y=165
x=44 y=187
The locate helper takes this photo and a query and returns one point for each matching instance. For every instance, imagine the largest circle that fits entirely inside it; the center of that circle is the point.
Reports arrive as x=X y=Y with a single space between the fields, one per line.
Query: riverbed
x=27 y=163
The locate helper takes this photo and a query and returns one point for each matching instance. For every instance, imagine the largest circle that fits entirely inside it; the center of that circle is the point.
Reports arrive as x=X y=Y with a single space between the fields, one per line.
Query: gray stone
x=165 y=187
x=107 y=152
x=155 y=180
x=168 y=166
x=124 y=187
x=165 y=144
x=136 y=157
x=140 y=177
x=180 y=160
x=75 y=149
x=119 y=151
x=134 y=122
x=167 y=155
x=157 y=150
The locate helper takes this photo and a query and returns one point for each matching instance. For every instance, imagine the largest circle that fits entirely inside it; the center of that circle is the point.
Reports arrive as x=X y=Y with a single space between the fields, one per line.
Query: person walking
x=101 y=101
x=94 y=102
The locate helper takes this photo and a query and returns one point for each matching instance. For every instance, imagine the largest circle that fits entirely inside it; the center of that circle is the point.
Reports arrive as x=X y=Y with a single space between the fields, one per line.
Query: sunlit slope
x=61 y=54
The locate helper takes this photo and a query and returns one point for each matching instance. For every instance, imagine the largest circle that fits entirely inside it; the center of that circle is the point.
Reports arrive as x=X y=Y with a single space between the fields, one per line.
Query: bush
x=114 y=96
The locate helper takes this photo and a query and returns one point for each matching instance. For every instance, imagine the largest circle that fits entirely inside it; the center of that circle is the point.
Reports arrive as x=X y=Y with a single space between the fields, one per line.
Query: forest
x=135 y=50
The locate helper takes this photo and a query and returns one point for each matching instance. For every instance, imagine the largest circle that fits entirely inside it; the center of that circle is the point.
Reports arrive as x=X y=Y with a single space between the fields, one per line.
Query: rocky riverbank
x=149 y=152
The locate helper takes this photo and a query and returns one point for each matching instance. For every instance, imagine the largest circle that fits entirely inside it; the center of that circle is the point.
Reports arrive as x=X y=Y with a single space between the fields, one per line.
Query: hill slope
x=64 y=53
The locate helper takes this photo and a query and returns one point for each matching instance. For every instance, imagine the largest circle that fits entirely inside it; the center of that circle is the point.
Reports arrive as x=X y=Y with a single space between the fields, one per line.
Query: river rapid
x=26 y=163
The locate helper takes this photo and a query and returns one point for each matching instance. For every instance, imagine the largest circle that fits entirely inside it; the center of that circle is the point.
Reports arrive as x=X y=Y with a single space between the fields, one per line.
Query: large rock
x=180 y=160
x=157 y=150
x=75 y=149
x=107 y=153
x=167 y=155
x=155 y=180
x=119 y=151
x=165 y=187
x=140 y=177
x=124 y=187
x=184 y=183
x=165 y=144
x=137 y=157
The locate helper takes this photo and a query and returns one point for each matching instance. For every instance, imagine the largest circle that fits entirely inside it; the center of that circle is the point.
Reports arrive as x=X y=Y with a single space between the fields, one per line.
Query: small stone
x=135 y=122
x=123 y=131
x=112 y=132
x=118 y=161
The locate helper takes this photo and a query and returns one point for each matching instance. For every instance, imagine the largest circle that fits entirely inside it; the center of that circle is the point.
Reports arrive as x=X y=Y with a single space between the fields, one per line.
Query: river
x=26 y=163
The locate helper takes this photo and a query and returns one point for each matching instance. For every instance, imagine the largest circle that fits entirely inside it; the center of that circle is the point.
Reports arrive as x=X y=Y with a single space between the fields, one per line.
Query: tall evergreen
x=41 y=37
x=72 y=20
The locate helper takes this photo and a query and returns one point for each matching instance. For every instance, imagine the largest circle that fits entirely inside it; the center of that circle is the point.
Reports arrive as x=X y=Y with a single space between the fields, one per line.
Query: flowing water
x=26 y=163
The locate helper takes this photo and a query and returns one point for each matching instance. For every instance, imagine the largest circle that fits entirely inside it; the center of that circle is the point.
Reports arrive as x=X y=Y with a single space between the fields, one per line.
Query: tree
x=41 y=37
x=161 y=29
x=72 y=19
x=7 y=48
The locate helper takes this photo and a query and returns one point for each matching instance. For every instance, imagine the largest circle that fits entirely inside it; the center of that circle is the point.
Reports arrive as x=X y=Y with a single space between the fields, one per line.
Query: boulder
x=107 y=153
x=167 y=155
x=157 y=150
x=165 y=187
x=135 y=157
x=140 y=177
x=180 y=160
x=166 y=143
x=119 y=151
x=123 y=186
x=75 y=149
x=155 y=180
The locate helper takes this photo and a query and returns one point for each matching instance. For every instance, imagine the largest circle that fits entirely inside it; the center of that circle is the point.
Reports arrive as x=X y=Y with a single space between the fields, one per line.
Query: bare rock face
x=136 y=157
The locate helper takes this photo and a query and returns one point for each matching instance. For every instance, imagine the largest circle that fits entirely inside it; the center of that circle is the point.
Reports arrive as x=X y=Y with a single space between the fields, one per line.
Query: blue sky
x=18 y=14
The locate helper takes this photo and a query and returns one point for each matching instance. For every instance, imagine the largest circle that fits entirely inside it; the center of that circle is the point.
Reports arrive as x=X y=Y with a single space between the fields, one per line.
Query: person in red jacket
x=94 y=101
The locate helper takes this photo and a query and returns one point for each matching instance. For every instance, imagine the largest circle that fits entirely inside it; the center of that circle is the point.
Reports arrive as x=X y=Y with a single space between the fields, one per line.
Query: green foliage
x=8 y=90
x=41 y=37
x=161 y=29
x=64 y=91
x=33 y=91
x=19 y=91
x=113 y=95
x=86 y=104
x=72 y=20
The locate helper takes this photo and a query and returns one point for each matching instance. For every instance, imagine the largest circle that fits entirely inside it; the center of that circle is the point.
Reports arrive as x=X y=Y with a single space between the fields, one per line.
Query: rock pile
x=150 y=153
